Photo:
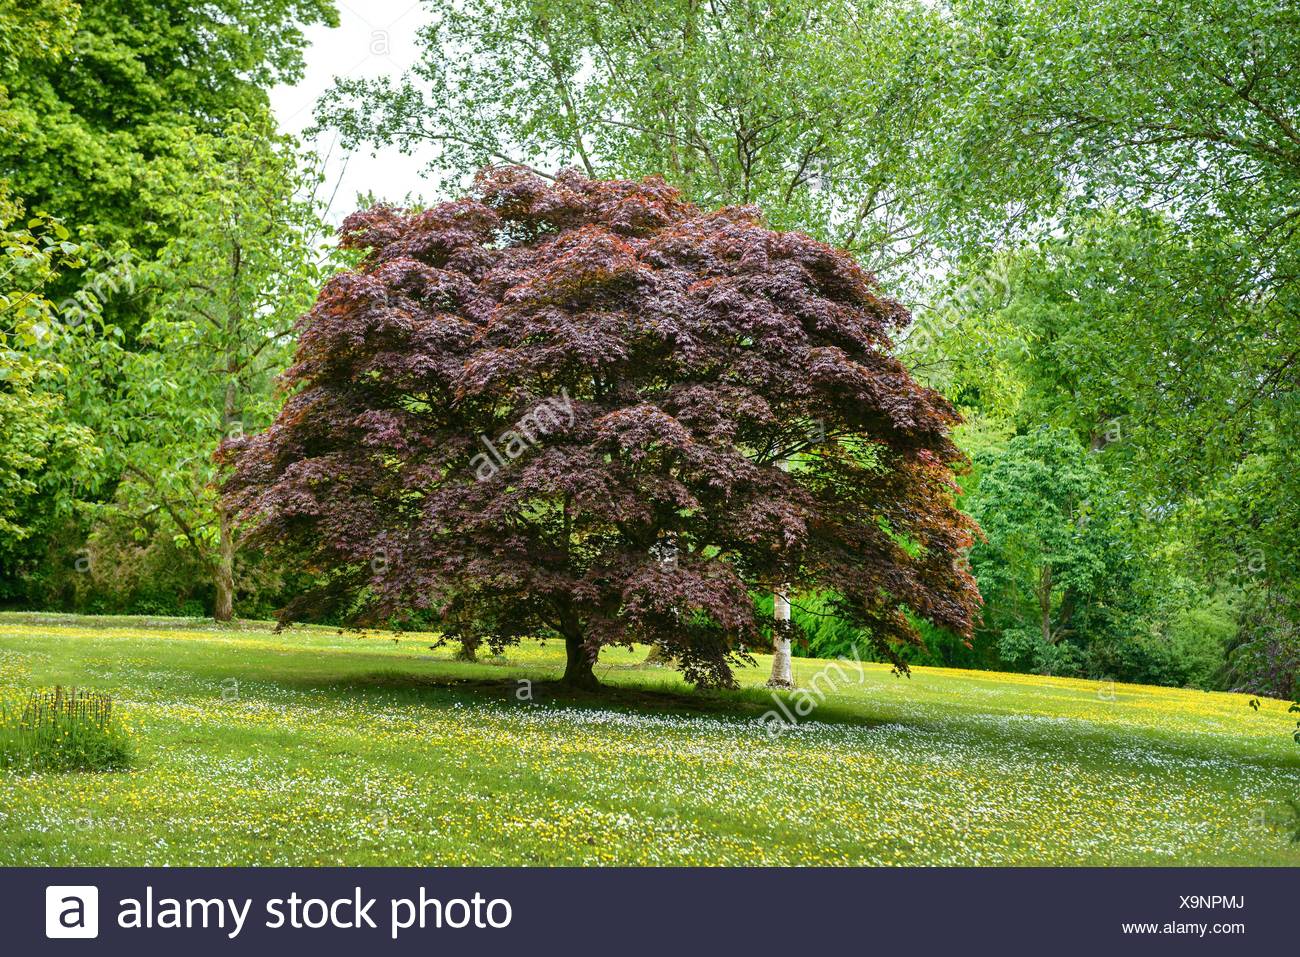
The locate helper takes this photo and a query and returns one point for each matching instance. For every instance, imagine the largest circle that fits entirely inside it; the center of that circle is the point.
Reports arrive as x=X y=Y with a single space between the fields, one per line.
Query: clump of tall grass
x=64 y=729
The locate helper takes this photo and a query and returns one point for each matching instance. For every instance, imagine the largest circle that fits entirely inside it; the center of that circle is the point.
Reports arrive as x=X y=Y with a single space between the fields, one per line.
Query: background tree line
x=1092 y=209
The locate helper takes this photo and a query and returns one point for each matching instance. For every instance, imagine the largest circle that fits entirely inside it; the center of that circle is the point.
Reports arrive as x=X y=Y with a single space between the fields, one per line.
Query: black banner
x=631 y=912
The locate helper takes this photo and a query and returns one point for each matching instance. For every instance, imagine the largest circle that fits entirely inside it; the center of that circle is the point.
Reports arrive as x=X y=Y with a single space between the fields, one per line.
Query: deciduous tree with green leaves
x=1160 y=142
x=1057 y=572
x=228 y=288
x=817 y=112
x=137 y=79
x=100 y=104
x=40 y=449
x=1140 y=338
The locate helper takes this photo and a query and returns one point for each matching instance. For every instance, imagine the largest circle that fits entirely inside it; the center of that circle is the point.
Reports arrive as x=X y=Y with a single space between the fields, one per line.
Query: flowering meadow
x=312 y=747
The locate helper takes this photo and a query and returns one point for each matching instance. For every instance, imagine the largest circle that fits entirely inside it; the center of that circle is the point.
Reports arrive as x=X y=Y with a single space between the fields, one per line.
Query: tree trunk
x=224 y=607
x=782 y=672
x=1045 y=603
x=579 y=665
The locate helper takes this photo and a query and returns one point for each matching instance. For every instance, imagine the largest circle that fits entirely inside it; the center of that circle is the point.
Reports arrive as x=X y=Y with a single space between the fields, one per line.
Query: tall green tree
x=33 y=35
x=244 y=265
x=137 y=80
x=103 y=109
x=816 y=112
x=1135 y=336
x=41 y=451
x=1060 y=575
x=1157 y=145
x=100 y=103
x=1189 y=105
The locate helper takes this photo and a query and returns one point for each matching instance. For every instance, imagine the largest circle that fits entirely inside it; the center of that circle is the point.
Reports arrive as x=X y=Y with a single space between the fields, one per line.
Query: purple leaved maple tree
x=563 y=408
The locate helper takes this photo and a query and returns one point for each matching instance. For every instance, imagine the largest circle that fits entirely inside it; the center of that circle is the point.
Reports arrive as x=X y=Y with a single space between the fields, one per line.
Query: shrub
x=65 y=729
x=1024 y=649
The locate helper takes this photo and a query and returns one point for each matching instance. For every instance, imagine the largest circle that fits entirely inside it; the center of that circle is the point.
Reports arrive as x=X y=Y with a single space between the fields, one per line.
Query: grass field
x=312 y=747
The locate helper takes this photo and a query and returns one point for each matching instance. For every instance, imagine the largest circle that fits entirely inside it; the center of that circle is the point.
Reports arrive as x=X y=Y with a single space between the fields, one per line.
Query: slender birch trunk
x=782 y=670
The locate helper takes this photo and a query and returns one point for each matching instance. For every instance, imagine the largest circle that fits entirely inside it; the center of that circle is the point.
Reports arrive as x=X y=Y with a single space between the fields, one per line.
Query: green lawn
x=312 y=747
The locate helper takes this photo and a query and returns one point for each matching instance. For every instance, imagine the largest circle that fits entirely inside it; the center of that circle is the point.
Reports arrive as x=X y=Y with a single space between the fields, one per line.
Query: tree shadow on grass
x=742 y=704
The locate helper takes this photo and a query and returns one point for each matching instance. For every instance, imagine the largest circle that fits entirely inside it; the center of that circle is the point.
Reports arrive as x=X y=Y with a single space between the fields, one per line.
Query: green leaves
x=224 y=294
x=227 y=290
x=1058 y=567
x=818 y=113
x=39 y=446
x=169 y=70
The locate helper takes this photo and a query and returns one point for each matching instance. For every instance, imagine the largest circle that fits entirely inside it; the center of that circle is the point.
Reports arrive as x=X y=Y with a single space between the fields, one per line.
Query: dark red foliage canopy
x=564 y=408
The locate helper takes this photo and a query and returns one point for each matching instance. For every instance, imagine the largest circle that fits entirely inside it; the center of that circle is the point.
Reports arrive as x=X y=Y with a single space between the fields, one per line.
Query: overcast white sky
x=374 y=38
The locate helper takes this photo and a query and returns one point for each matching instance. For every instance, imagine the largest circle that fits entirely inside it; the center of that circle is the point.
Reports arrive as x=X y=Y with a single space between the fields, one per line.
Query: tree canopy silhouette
x=591 y=410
